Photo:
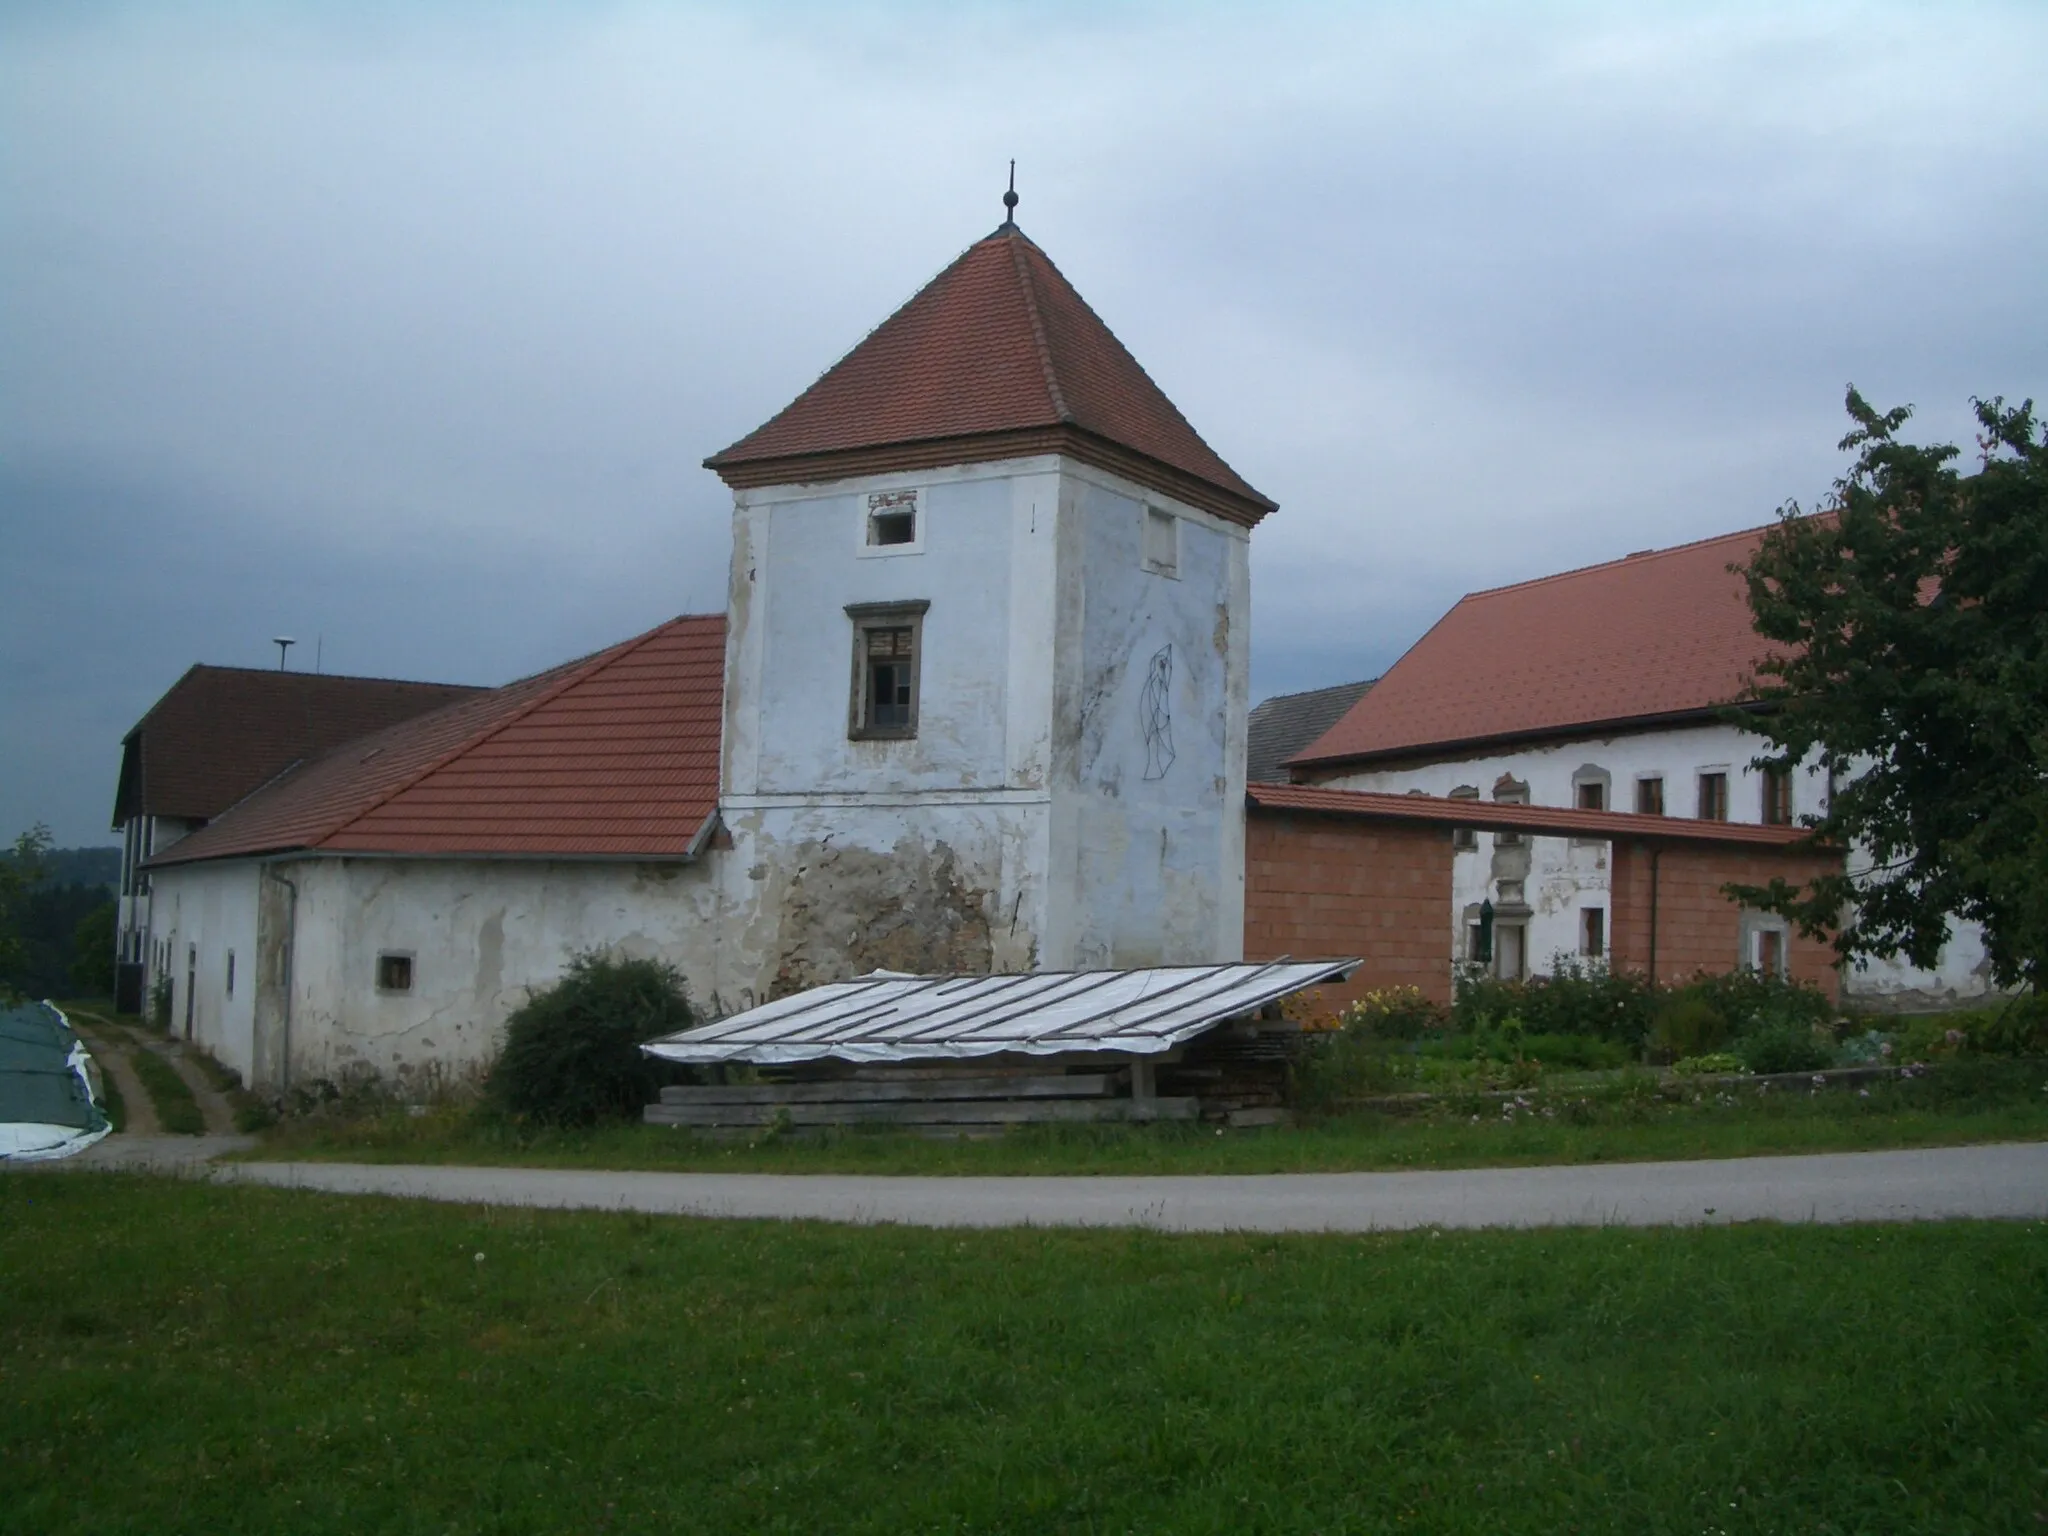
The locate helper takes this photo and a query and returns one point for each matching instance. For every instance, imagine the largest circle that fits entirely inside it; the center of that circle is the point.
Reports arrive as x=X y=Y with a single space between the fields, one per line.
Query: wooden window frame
x=1777 y=797
x=867 y=618
x=1644 y=794
x=1715 y=809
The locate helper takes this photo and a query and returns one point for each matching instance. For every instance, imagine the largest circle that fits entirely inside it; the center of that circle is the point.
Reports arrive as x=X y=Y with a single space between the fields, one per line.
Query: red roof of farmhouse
x=1661 y=636
x=996 y=357
x=615 y=755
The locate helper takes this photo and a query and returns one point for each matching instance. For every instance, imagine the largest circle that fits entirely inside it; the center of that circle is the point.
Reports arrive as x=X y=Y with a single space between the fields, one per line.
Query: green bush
x=572 y=1051
x=1580 y=998
x=1687 y=1024
x=1784 y=1048
x=1715 y=1064
x=1752 y=1001
x=1586 y=1053
x=160 y=1003
x=1339 y=1065
x=1395 y=1013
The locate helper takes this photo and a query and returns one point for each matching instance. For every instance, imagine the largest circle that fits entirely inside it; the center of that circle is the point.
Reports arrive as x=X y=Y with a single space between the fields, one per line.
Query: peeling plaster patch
x=847 y=911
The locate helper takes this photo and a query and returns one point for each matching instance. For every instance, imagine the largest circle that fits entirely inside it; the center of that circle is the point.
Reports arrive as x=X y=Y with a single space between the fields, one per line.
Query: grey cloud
x=413 y=322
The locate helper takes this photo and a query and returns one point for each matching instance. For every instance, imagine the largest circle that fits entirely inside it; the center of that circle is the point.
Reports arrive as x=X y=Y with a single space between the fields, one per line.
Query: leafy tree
x=20 y=872
x=1913 y=621
x=92 y=951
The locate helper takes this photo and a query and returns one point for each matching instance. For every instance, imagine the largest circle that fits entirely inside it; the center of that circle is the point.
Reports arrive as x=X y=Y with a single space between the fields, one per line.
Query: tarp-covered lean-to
x=47 y=1107
x=885 y=1017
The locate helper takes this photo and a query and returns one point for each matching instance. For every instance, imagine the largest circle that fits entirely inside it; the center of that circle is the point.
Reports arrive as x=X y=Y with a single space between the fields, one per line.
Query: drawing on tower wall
x=1156 y=713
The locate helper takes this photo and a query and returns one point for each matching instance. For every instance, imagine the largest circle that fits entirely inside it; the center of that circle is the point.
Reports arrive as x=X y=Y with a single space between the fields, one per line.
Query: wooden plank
x=966 y=1112
x=1076 y=1085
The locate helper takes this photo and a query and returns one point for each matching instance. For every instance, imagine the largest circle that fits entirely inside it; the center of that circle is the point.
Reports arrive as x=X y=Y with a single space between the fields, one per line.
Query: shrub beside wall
x=572 y=1051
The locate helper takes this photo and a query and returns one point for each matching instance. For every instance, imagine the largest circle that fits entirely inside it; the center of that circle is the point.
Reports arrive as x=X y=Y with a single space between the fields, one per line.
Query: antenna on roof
x=1010 y=197
x=283 y=644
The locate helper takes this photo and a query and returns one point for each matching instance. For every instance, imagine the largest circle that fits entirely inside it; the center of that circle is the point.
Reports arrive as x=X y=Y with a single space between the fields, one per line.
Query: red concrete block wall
x=1698 y=927
x=1318 y=888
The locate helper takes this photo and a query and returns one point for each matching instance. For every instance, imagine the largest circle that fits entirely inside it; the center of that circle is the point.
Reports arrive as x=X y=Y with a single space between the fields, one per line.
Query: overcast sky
x=402 y=328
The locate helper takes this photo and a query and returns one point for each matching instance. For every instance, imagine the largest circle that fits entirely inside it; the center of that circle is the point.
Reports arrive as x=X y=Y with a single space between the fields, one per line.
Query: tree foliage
x=1912 y=621
x=92 y=951
x=21 y=869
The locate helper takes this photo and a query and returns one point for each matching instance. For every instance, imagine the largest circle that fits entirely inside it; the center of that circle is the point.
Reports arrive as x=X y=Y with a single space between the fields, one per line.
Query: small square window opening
x=1162 y=542
x=1713 y=797
x=1650 y=796
x=1592 y=797
x=394 y=973
x=892 y=520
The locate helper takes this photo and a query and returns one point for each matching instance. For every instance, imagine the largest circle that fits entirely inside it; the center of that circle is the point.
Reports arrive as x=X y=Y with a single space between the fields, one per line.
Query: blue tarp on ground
x=46 y=1102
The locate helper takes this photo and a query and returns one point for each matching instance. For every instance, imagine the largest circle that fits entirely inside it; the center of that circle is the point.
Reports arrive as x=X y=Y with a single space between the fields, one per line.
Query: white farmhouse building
x=977 y=704
x=1601 y=689
x=216 y=735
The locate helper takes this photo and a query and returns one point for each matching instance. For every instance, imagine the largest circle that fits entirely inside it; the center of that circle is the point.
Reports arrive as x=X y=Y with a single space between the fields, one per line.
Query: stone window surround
x=907 y=614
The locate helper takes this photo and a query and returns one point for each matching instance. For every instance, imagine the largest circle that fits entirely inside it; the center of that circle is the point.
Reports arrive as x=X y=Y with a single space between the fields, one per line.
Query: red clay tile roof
x=1659 y=635
x=1492 y=816
x=219 y=732
x=615 y=755
x=989 y=357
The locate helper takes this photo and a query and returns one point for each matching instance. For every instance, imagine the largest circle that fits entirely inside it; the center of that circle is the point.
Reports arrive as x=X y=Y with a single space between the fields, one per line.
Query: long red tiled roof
x=997 y=356
x=1493 y=816
x=219 y=732
x=1660 y=635
x=615 y=755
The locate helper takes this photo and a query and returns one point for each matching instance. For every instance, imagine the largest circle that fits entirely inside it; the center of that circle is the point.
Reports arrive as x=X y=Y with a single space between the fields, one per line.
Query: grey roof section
x=890 y=1017
x=1289 y=723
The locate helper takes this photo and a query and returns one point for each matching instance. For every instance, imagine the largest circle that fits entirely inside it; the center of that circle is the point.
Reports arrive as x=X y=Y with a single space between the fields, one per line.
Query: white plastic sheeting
x=888 y=1017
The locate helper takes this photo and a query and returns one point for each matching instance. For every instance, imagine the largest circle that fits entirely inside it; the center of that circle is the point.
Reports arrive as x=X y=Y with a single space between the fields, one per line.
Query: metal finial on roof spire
x=1010 y=197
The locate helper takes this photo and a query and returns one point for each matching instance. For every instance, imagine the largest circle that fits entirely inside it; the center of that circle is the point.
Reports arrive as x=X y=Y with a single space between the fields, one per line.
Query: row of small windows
x=1504 y=950
x=1591 y=788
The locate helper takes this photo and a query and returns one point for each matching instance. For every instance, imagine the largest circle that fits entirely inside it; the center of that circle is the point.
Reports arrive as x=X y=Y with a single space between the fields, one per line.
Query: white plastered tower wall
x=1564 y=876
x=1049 y=811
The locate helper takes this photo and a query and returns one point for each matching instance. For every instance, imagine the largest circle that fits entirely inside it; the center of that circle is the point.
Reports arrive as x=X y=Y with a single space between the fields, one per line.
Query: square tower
x=987 y=653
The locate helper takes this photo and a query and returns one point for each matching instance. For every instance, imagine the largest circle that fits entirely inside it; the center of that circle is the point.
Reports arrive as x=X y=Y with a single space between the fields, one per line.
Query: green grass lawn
x=1627 y=1120
x=179 y=1357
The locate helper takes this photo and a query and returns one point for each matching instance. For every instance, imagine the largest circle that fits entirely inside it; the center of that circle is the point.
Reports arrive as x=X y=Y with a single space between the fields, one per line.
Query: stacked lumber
x=920 y=1098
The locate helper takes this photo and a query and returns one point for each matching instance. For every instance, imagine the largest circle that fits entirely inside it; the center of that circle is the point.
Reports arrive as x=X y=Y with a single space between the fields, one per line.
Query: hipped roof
x=612 y=756
x=220 y=732
x=995 y=357
x=1659 y=637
